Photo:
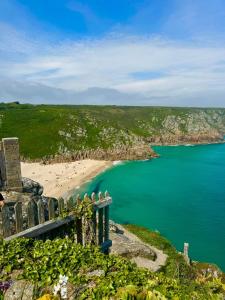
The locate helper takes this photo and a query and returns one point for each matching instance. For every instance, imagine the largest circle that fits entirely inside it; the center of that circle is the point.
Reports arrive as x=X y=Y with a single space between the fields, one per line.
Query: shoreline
x=189 y=144
x=61 y=179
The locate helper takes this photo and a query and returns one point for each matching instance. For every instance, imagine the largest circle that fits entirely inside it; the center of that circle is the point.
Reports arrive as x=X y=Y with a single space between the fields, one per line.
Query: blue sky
x=133 y=52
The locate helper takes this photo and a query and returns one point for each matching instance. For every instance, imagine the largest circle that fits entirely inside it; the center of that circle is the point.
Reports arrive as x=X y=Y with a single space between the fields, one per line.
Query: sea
x=181 y=194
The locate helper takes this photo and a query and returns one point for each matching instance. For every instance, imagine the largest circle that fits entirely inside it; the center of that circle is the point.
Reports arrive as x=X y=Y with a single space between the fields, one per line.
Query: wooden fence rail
x=37 y=219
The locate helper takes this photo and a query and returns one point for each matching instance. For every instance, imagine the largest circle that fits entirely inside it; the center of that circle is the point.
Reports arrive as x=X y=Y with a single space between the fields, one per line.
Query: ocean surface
x=181 y=194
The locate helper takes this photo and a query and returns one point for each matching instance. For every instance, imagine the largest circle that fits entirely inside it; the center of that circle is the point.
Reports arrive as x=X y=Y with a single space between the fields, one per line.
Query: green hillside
x=49 y=130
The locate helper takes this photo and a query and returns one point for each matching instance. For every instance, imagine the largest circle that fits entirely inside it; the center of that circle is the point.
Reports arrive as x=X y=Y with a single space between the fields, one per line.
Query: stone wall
x=10 y=165
x=2 y=167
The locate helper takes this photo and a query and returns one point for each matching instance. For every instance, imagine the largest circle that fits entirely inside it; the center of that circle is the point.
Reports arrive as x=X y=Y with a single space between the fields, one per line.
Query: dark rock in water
x=31 y=186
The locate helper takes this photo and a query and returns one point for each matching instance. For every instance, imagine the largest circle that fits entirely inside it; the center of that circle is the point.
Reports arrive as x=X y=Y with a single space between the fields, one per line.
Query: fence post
x=106 y=223
x=100 y=226
x=32 y=213
x=70 y=204
x=94 y=224
x=79 y=231
x=18 y=217
x=100 y=196
x=6 y=221
x=51 y=209
x=1 y=228
x=61 y=206
x=41 y=212
x=93 y=197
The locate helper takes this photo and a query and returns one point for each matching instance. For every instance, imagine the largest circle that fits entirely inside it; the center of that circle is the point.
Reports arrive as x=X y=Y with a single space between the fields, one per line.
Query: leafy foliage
x=43 y=262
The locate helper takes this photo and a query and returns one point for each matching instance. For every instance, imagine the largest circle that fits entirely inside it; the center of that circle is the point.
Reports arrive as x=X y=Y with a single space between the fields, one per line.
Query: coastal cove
x=181 y=194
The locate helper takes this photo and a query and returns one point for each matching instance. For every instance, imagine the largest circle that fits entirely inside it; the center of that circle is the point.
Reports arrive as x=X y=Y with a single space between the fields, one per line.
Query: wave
x=117 y=162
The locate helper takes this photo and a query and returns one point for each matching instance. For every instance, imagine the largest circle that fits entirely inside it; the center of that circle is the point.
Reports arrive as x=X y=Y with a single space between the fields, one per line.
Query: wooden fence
x=39 y=220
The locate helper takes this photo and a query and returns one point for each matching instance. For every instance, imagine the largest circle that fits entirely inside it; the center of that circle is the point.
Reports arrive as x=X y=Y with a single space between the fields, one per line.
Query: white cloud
x=186 y=72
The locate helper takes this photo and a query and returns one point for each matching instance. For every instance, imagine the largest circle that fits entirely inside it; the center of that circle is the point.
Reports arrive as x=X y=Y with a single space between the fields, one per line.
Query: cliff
x=106 y=132
x=206 y=126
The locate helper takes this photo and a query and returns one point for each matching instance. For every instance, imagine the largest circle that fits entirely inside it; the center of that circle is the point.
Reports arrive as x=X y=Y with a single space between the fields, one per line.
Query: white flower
x=56 y=289
x=61 y=287
x=64 y=292
x=63 y=279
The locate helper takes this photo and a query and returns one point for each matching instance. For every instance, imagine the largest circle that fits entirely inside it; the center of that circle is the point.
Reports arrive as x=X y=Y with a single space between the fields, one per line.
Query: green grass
x=175 y=267
x=46 y=130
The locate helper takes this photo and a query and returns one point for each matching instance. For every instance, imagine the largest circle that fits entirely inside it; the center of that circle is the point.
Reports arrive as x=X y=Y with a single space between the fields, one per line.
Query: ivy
x=42 y=263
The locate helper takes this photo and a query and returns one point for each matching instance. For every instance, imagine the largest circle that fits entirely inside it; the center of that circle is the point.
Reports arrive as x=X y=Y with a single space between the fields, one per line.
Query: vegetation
x=43 y=262
x=50 y=130
x=46 y=130
x=176 y=266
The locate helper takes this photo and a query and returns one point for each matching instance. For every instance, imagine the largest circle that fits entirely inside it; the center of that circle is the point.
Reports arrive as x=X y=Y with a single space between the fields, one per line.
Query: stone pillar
x=186 y=246
x=13 y=179
x=2 y=167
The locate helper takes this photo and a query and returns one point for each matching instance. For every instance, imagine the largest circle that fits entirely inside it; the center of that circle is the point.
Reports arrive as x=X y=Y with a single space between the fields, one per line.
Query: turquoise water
x=181 y=194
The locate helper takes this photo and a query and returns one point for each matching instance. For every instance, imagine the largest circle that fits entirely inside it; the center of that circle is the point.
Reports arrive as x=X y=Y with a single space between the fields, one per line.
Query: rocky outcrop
x=20 y=290
x=130 y=246
x=31 y=186
x=181 y=139
x=194 y=128
x=166 y=127
x=139 y=151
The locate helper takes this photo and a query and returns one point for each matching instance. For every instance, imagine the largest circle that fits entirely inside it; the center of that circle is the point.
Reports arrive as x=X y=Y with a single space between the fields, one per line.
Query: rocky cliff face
x=123 y=152
x=195 y=128
x=106 y=132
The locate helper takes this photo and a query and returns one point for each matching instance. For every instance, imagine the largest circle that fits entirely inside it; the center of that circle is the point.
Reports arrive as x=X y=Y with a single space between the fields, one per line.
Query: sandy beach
x=60 y=179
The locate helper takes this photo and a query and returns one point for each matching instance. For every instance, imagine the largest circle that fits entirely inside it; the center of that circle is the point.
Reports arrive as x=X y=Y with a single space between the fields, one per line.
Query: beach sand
x=60 y=179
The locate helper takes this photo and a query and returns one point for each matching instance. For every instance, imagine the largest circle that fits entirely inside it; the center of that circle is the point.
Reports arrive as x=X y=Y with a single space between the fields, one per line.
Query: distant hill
x=106 y=132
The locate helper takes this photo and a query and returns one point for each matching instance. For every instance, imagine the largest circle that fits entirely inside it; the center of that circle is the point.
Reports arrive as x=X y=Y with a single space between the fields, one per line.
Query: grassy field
x=47 y=130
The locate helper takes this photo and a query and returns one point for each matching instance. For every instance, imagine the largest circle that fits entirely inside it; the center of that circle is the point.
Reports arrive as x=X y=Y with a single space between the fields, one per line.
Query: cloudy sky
x=130 y=52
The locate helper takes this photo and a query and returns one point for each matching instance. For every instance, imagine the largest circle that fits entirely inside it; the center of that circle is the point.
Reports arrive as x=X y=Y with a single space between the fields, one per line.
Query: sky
x=120 y=52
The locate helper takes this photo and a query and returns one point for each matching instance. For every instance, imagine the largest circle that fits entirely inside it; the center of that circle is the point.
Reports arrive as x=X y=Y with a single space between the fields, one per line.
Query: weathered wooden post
x=100 y=220
x=41 y=212
x=106 y=211
x=78 y=224
x=32 y=213
x=61 y=206
x=5 y=221
x=70 y=203
x=94 y=219
x=18 y=217
x=51 y=209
